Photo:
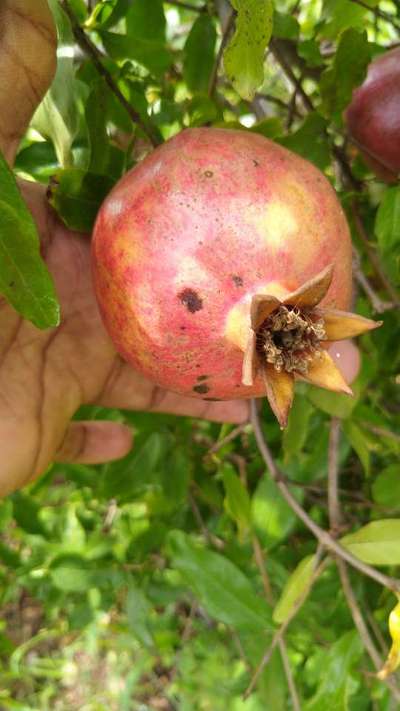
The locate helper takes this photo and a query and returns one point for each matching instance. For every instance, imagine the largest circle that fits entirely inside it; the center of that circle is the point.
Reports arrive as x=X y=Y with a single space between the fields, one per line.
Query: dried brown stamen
x=290 y=338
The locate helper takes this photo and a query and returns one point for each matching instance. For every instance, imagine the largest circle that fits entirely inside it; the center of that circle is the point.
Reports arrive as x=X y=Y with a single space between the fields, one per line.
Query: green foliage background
x=138 y=585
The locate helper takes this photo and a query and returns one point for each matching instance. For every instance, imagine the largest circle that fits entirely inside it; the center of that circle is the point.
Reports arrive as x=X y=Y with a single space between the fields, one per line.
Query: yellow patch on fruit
x=276 y=223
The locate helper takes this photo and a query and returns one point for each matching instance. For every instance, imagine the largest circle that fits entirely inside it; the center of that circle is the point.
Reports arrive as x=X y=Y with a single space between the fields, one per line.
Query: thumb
x=88 y=442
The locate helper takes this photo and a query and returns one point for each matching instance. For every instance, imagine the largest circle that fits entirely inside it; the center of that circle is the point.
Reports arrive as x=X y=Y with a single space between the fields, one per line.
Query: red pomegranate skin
x=373 y=116
x=185 y=239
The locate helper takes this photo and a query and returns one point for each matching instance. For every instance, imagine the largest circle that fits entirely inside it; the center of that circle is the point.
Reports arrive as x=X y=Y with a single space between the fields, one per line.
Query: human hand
x=46 y=375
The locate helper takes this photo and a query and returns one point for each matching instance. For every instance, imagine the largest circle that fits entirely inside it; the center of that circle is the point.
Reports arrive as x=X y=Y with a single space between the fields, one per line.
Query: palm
x=46 y=375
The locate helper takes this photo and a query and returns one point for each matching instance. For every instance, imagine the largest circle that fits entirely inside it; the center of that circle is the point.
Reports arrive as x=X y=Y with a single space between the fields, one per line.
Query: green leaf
x=335 y=404
x=336 y=685
x=198 y=55
x=386 y=487
x=58 y=115
x=310 y=141
x=377 y=543
x=294 y=589
x=77 y=195
x=96 y=121
x=176 y=475
x=387 y=230
x=24 y=279
x=138 y=609
x=387 y=224
x=360 y=442
x=347 y=71
x=237 y=500
x=285 y=26
x=141 y=469
x=244 y=55
x=271 y=515
x=295 y=434
x=26 y=513
x=146 y=20
x=71 y=573
x=337 y=15
x=221 y=587
x=149 y=53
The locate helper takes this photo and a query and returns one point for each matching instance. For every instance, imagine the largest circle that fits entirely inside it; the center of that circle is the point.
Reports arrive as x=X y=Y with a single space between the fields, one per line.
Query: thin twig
x=229 y=437
x=281 y=59
x=260 y=561
x=381 y=432
x=376 y=302
x=318 y=568
x=89 y=48
x=226 y=31
x=210 y=537
x=259 y=558
x=289 y=675
x=362 y=233
x=362 y=628
x=334 y=522
x=323 y=536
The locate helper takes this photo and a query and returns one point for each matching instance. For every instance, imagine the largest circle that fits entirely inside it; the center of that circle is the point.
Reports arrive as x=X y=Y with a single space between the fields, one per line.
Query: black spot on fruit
x=237 y=280
x=212 y=399
x=191 y=300
x=201 y=389
x=202 y=377
x=208 y=174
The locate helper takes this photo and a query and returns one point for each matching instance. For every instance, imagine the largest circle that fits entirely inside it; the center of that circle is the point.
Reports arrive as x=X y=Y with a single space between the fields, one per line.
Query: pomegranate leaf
x=295 y=587
x=387 y=229
x=57 y=117
x=244 y=55
x=24 y=279
x=226 y=593
x=77 y=196
x=347 y=71
x=199 y=54
x=377 y=543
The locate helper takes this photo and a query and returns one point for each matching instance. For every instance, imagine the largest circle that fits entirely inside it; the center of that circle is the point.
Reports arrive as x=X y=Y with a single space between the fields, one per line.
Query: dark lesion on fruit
x=290 y=338
x=237 y=280
x=201 y=389
x=202 y=377
x=191 y=300
x=212 y=399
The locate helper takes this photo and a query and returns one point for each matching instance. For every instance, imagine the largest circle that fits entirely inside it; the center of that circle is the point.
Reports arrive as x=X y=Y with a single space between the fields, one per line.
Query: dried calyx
x=288 y=339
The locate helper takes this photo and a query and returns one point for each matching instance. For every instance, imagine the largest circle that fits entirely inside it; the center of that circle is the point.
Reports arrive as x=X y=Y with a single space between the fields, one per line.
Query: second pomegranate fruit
x=222 y=266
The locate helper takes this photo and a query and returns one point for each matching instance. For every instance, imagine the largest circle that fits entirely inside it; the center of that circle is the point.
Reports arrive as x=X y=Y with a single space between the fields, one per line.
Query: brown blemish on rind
x=212 y=399
x=202 y=377
x=201 y=389
x=208 y=174
x=191 y=300
x=237 y=280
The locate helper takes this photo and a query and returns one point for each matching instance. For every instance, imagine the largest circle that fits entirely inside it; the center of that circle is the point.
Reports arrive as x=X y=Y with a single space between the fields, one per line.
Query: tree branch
x=362 y=234
x=89 y=48
x=323 y=536
x=318 y=568
x=334 y=521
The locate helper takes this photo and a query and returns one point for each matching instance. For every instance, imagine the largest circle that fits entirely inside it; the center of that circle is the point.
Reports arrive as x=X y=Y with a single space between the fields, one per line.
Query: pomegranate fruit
x=373 y=116
x=221 y=265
